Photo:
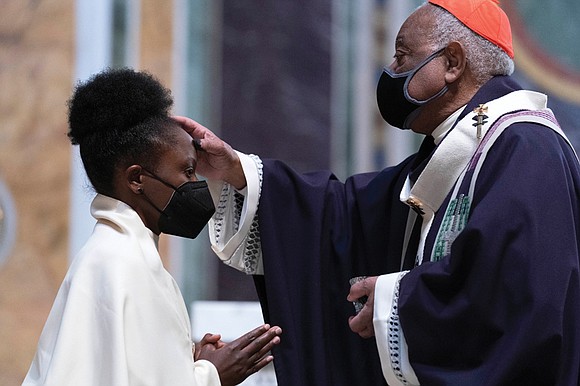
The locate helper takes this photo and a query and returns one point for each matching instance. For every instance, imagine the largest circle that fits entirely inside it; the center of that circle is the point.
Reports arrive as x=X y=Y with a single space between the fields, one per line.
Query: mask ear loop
x=175 y=188
x=412 y=73
x=155 y=177
x=140 y=190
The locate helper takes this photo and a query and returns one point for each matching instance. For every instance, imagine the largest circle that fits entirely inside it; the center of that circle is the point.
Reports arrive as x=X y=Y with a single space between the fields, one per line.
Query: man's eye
x=399 y=59
x=190 y=172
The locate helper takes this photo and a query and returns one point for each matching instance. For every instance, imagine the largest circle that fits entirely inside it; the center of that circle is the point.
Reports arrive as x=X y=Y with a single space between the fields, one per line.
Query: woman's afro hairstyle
x=119 y=117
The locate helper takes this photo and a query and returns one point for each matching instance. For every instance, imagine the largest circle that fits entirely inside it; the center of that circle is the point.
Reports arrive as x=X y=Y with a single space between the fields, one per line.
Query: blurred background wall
x=288 y=79
x=36 y=64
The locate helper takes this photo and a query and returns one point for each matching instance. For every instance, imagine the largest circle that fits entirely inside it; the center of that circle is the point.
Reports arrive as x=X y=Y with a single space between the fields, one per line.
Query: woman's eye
x=190 y=172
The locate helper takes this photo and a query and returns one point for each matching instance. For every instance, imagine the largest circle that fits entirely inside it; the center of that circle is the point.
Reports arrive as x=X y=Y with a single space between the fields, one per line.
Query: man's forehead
x=415 y=30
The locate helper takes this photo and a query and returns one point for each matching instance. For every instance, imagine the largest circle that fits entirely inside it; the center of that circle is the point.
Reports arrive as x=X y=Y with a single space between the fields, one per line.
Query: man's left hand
x=362 y=323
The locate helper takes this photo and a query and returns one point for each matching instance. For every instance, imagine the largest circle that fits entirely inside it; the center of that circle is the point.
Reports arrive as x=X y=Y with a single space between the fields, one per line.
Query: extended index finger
x=261 y=346
x=258 y=338
x=195 y=129
x=250 y=336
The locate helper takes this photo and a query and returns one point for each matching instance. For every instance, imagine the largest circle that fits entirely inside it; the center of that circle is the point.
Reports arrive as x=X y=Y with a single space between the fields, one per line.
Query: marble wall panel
x=36 y=63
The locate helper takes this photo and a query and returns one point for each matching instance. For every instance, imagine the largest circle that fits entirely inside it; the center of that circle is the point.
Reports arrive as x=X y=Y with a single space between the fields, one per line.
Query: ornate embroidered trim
x=253 y=246
x=238 y=206
x=453 y=223
x=225 y=195
x=260 y=168
x=524 y=113
x=220 y=211
x=395 y=335
x=457 y=212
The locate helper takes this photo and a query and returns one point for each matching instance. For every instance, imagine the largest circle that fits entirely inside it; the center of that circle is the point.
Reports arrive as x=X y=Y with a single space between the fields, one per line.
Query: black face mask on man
x=396 y=106
x=188 y=210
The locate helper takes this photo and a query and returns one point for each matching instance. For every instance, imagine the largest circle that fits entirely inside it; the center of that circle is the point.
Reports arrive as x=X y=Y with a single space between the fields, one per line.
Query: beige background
x=37 y=45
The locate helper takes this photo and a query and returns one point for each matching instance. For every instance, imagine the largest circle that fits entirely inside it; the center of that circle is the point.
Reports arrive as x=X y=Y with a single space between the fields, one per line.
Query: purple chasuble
x=501 y=308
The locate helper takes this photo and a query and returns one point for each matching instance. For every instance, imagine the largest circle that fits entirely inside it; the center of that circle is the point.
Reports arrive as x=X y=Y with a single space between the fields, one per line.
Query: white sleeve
x=206 y=373
x=233 y=229
x=389 y=335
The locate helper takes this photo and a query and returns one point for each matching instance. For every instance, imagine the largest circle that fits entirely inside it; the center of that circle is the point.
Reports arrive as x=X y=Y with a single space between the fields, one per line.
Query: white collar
x=440 y=131
x=122 y=216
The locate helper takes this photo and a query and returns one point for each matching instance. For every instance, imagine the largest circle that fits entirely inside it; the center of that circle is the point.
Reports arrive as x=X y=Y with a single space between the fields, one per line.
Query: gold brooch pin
x=480 y=118
x=416 y=205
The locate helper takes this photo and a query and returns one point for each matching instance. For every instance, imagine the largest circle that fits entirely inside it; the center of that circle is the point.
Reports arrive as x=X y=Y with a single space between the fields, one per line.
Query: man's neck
x=440 y=131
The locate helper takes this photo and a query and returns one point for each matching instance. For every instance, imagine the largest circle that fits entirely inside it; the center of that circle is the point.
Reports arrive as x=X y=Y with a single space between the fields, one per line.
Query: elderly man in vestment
x=470 y=248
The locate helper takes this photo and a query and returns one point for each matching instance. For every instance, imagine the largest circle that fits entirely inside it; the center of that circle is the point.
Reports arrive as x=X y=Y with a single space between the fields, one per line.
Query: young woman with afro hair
x=119 y=317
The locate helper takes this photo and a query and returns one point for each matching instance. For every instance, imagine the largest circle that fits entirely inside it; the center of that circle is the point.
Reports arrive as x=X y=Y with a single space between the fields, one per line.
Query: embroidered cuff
x=233 y=230
x=388 y=332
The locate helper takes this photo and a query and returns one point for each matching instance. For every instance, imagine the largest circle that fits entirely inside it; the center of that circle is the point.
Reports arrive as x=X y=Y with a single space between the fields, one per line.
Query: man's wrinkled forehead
x=416 y=30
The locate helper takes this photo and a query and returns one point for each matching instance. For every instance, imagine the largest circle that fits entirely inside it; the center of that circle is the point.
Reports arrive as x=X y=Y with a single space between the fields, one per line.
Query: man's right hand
x=216 y=160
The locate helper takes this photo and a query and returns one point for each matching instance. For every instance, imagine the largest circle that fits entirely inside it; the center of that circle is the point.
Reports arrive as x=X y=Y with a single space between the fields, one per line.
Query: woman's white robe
x=119 y=317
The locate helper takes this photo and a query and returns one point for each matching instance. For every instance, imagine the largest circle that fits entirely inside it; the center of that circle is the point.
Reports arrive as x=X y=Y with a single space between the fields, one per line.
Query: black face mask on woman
x=188 y=210
x=397 y=107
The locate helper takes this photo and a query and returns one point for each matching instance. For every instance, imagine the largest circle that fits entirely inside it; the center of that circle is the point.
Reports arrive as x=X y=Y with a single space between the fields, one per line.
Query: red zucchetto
x=484 y=17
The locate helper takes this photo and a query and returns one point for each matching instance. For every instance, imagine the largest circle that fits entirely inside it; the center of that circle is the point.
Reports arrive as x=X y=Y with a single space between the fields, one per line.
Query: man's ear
x=456 y=61
x=132 y=176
